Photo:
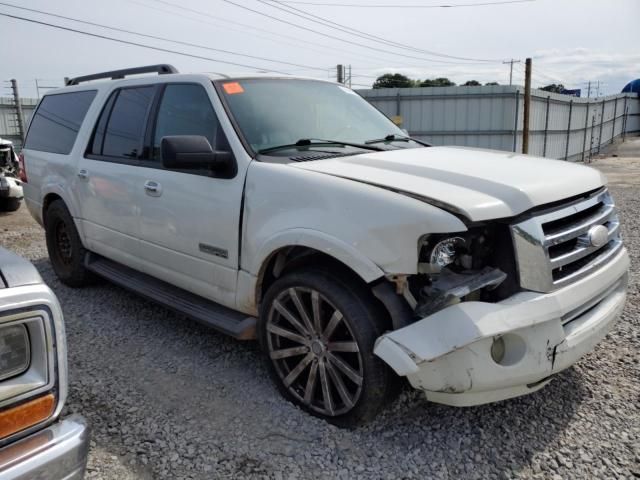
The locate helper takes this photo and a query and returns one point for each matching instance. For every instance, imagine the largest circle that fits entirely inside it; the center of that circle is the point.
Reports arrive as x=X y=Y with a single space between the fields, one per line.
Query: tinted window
x=55 y=125
x=123 y=136
x=185 y=110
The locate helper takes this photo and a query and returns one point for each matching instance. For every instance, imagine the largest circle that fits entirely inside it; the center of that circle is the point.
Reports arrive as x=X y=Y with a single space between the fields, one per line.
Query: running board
x=193 y=306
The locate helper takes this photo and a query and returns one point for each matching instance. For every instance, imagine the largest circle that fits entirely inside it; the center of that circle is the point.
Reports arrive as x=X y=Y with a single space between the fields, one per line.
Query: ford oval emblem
x=598 y=235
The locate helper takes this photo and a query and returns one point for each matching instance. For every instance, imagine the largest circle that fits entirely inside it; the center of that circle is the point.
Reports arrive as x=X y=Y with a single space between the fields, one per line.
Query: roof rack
x=161 y=69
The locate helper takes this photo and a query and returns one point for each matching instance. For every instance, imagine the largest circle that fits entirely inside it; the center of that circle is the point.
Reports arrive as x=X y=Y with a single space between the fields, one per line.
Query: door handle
x=152 y=188
x=83 y=174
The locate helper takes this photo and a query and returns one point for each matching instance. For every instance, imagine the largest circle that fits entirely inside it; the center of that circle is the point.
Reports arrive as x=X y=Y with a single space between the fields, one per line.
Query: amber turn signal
x=26 y=415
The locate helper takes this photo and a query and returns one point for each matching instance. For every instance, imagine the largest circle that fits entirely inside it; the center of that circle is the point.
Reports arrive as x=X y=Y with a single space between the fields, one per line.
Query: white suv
x=291 y=210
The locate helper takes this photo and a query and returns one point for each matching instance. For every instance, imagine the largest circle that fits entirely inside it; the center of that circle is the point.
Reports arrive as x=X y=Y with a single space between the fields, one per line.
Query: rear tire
x=10 y=204
x=65 y=247
x=317 y=330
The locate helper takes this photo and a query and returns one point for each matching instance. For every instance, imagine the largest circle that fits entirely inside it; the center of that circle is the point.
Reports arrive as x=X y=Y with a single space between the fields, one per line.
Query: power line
x=251 y=28
x=325 y=34
x=160 y=38
x=142 y=45
x=358 y=5
x=359 y=33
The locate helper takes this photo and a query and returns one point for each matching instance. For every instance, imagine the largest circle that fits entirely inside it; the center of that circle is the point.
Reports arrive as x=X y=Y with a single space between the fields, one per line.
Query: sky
x=570 y=41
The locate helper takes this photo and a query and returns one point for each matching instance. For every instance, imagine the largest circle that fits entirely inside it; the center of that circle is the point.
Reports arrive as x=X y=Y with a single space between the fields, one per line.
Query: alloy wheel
x=314 y=351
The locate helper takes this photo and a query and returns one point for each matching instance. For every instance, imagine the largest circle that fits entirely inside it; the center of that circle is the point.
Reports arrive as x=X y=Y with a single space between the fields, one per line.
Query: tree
x=559 y=88
x=437 y=82
x=393 y=80
x=471 y=83
x=491 y=83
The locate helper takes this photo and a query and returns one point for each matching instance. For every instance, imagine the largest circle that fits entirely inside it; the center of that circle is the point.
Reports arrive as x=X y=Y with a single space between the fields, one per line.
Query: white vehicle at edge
x=291 y=210
x=35 y=442
x=10 y=186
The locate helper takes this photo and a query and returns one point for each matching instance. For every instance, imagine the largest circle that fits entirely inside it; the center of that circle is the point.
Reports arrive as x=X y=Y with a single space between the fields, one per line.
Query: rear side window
x=122 y=124
x=57 y=120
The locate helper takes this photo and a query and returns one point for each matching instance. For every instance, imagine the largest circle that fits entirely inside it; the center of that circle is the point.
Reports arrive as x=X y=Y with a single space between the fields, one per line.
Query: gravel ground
x=168 y=398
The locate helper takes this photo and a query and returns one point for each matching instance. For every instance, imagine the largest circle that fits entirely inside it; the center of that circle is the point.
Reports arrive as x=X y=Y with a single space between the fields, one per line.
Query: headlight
x=29 y=370
x=15 y=351
x=445 y=252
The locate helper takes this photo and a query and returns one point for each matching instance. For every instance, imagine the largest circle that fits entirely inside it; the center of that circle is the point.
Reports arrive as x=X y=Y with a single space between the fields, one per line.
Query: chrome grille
x=558 y=247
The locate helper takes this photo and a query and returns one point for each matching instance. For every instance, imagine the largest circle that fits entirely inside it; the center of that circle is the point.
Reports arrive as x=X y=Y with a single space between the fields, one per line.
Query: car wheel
x=64 y=246
x=9 y=204
x=318 y=331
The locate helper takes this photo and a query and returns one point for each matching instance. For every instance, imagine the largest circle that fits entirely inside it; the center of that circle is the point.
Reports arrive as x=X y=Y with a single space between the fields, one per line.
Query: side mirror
x=192 y=151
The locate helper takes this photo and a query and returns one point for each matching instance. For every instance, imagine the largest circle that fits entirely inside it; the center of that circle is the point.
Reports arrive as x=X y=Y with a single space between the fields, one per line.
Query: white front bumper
x=448 y=354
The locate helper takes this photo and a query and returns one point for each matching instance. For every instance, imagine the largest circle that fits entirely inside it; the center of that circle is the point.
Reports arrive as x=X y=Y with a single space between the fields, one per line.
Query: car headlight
x=29 y=370
x=15 y=351
x=445 y=252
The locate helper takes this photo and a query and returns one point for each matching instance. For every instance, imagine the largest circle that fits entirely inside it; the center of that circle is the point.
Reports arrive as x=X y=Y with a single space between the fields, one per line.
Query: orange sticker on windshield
x=232 y=88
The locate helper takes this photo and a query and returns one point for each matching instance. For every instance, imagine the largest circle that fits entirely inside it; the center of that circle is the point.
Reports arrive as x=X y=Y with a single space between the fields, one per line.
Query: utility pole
x=18 y=106
x=340 y=73
x=589 y=89
x=527 y=105
x=512 y=61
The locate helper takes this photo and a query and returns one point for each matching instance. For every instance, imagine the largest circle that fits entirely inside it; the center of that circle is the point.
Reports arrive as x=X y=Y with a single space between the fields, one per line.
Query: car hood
x=479 y=184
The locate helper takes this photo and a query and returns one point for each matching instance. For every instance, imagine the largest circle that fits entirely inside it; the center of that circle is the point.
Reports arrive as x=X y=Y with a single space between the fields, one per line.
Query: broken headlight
x=455 y=267
x=445 y=252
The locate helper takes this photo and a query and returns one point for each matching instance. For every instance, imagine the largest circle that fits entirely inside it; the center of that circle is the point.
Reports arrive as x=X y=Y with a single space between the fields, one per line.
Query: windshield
x=276 y=112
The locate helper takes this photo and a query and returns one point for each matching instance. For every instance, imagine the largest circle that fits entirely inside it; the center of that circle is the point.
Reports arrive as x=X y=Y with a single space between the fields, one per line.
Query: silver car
x=34 y=442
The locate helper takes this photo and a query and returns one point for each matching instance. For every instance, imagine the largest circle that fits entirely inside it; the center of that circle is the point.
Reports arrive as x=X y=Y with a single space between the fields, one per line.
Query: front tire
x=317 y=329
x=65 y=247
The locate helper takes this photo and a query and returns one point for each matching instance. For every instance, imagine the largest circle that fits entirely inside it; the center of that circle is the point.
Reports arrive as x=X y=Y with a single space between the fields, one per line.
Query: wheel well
x=292 y=258
x=48 y=200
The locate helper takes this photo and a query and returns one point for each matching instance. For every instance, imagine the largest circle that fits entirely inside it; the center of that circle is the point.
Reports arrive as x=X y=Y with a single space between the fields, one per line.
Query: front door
x=189 y=220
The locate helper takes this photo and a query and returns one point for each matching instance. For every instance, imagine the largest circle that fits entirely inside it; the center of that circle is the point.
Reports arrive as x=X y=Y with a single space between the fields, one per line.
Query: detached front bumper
x=54 y=453
x=448 y=354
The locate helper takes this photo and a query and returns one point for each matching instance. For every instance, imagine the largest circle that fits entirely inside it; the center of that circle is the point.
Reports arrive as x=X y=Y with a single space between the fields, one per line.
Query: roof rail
x=161 y=69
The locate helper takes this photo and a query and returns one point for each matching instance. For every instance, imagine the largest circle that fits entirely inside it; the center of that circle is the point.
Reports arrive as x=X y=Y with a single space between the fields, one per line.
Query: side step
x=193 y=306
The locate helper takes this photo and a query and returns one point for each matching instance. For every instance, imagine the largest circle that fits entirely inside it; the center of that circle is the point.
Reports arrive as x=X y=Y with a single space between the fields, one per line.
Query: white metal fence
x=560 y=126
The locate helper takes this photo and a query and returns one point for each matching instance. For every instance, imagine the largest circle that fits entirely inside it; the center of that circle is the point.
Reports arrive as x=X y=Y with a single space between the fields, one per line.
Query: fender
x=246 y=291
x=305 y=237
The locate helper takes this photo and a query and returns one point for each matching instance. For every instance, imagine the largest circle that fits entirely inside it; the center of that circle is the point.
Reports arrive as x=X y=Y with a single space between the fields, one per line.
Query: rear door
x=189 y=219
x=107 y=183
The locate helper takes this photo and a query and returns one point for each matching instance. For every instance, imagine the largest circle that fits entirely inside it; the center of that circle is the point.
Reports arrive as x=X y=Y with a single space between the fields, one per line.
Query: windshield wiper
x=305 y=142
x=397 y=138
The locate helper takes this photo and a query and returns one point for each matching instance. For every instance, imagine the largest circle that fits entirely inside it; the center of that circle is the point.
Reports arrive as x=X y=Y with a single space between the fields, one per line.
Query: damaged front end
x=471 y=335
x=8 y=160
x=10 y=185
x=473 y=265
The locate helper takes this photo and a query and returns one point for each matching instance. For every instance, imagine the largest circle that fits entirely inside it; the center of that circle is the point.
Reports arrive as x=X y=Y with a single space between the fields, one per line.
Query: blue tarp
x=632 y=87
